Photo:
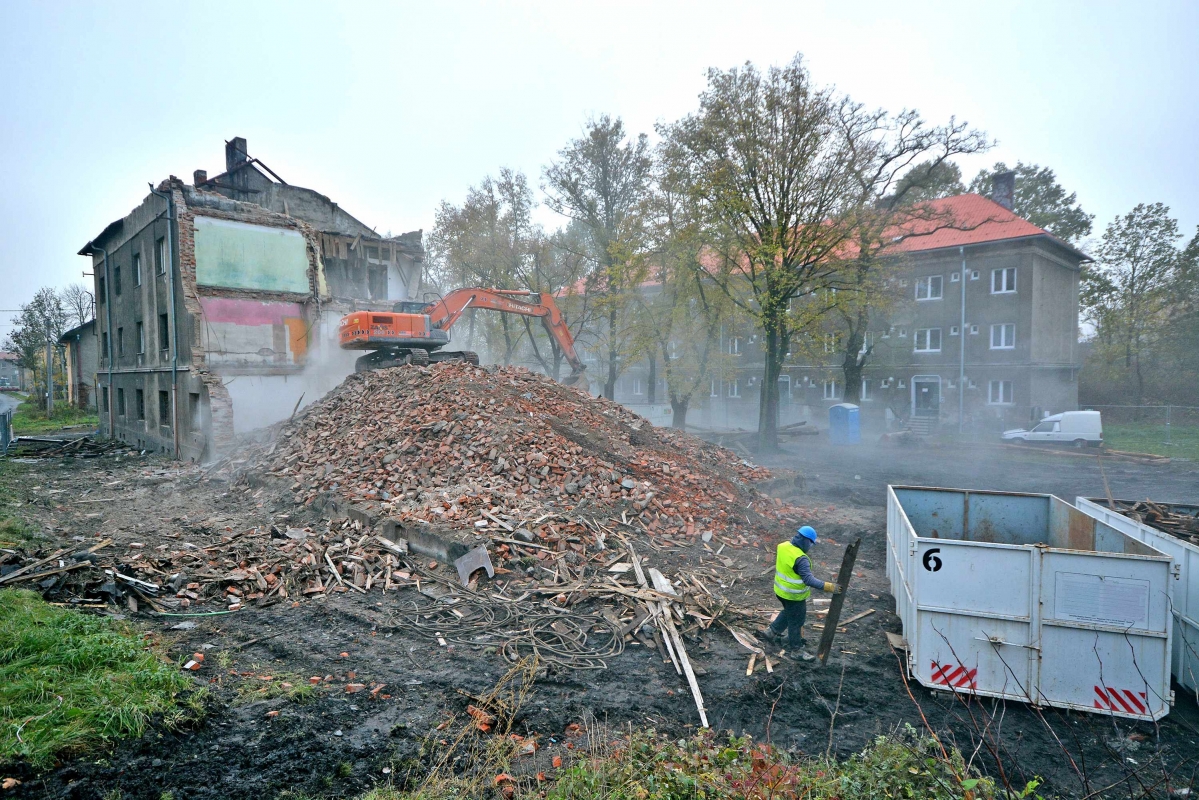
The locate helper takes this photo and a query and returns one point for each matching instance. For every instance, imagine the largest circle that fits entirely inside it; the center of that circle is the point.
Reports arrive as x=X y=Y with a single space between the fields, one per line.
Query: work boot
x=796 y=654
x=767 y=634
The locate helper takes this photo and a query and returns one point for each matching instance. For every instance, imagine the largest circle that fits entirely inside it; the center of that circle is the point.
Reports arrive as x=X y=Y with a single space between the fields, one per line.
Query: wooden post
x=834 y=607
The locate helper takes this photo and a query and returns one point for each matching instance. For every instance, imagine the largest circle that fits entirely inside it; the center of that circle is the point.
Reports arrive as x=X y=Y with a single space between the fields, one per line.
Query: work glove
x=832 y=588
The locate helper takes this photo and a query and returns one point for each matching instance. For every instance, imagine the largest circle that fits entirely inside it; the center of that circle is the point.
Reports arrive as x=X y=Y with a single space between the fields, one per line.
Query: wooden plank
x=12 y=576
x=838 y=600
x=663 y=586
x=859 y=616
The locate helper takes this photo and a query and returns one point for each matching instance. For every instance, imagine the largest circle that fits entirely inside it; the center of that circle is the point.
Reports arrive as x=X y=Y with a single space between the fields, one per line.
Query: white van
x=1080 y=428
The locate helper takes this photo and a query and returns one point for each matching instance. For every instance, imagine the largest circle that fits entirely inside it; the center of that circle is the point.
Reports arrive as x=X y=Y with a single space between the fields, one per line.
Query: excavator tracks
x=384 y=359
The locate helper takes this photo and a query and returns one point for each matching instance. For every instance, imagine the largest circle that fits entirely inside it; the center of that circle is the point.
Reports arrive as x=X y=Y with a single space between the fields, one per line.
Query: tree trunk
x=679 y=418
x=652 y=390
x=768 y=408
x=852 y=365
x=610 y=385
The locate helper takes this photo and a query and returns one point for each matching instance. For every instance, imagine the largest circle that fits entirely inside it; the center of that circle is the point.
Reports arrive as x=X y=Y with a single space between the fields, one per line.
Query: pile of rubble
x=550 y=486
x=505 y=448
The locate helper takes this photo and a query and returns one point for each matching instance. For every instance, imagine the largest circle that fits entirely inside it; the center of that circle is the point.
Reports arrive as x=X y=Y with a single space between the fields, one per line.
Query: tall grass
x=70 y=682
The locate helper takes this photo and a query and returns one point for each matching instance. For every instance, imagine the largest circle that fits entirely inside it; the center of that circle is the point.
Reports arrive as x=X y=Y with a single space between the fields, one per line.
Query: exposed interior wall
x=237 y=255
x=253 y=333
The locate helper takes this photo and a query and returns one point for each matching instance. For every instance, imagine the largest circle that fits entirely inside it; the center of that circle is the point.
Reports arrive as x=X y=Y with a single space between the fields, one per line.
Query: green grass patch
x=1150 y=437
x=266 y=685
x=15 y=532
x=646 y=766
x=30 y=421
x=70 y=682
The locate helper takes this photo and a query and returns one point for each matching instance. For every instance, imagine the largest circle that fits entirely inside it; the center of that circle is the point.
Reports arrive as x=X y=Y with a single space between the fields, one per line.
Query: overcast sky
x=391 y=108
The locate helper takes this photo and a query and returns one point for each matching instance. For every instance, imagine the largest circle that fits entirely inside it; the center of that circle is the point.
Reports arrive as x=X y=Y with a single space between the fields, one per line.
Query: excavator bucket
x=575 y=379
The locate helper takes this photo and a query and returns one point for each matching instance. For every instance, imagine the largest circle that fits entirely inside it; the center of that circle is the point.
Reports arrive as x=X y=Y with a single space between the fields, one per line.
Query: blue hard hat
x=808 y=532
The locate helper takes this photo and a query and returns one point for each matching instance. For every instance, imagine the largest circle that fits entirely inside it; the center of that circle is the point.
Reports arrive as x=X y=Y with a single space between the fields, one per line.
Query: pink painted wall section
x=249 y=312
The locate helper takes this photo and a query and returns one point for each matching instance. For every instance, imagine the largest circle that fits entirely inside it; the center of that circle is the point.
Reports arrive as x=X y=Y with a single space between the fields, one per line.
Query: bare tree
x=79 y=304
x=896 y=158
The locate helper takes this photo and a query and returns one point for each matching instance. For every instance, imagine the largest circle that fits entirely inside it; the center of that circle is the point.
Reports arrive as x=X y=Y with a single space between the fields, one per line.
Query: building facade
x=81 y=359
x=218 y=304
x=982 y=327
x=12 y=374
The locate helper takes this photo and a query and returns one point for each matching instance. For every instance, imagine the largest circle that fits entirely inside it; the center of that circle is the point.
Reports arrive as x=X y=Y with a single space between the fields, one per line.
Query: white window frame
x=953 y=330
x=973 y=274
x=1002 y=274
x=1000 y=384
x=903 y=333
x=714 y=389
x=830 y=389
x=864 y=395
x=638 y=388
x=1007 y=336
x=955 y=276
x=867 y=342
x=926 y=283
x=787 y=391
x=137 y=269
x=973 y=330
x=734 y=388
x=735 y=346
x=928 y=341
x=160 y=254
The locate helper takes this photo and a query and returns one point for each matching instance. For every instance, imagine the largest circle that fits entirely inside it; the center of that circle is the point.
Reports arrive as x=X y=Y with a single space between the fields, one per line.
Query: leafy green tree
x=798 y=178
x=42 y=320
x=1127 y=291
x=681 y=309
x=1041 y=200
x=928 y=180
x=599 y=182
x=490 y=240
x=776 y=180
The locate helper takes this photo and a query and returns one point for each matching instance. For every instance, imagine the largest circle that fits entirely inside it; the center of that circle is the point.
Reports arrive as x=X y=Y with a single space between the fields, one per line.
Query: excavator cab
x=409 y=307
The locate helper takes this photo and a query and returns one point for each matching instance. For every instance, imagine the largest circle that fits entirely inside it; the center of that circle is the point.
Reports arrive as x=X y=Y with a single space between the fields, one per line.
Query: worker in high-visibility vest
x=793 y=584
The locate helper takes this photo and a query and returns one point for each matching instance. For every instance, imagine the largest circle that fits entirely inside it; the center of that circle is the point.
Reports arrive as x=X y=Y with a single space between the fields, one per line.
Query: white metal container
x=1024 y=597
x=1184 y=587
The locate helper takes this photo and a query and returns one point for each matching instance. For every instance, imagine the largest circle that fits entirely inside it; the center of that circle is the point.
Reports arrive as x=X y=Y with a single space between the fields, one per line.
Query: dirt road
x=861 y=473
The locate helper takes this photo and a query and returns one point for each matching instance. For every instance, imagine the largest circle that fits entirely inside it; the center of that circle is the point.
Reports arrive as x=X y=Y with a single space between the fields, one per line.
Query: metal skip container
x=1184 y=586
x=1024 y=597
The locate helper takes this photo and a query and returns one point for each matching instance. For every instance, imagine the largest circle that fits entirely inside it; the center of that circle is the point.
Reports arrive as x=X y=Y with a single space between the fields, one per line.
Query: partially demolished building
x=218 y=304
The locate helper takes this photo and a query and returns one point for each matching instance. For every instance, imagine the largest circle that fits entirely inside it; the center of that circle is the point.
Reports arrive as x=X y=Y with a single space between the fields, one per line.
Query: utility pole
x=49 y=374
x=962 y=350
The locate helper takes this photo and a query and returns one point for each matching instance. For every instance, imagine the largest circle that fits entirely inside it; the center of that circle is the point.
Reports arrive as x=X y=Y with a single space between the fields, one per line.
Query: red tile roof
x=967 y=219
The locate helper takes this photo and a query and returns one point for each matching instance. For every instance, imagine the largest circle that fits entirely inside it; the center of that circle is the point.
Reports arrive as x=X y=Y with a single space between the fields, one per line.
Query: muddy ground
x=338 y=744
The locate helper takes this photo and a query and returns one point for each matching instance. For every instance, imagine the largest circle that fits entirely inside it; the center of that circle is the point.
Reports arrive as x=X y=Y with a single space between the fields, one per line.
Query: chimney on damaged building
x=236 y=153
x=1003 y=189
x=199 y=176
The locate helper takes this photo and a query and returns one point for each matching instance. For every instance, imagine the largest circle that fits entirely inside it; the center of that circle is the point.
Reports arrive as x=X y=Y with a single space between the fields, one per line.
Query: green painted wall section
x=235 y=255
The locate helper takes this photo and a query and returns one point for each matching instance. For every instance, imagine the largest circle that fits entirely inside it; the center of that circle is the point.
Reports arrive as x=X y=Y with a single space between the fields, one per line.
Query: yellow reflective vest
x=787 y=583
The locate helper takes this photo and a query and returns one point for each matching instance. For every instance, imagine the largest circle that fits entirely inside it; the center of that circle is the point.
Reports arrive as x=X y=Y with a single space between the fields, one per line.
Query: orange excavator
x=414 y=333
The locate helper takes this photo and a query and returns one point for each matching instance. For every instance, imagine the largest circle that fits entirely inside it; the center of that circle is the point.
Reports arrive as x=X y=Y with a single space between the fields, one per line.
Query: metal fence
x=1169 y=421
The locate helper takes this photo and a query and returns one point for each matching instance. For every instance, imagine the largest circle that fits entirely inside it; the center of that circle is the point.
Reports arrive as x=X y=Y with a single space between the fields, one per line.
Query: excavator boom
x=412 y=334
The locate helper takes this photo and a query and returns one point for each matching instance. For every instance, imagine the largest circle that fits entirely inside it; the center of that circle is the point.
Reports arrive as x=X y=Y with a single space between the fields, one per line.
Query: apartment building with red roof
x=984 y=324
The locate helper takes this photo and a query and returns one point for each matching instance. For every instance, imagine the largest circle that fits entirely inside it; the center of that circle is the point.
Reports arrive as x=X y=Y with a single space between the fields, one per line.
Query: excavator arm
x=446 y=311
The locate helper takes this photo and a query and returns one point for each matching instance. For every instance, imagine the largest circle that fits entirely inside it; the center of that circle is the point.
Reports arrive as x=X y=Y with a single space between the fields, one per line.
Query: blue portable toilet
x=844 y=426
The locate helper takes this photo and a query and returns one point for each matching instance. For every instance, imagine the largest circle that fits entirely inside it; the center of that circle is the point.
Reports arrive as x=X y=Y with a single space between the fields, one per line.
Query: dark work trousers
x=791 y=620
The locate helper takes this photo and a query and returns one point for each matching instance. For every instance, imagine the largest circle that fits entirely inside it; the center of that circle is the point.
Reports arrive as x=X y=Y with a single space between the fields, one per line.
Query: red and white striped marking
x=956 y=676
x=1122 y=700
